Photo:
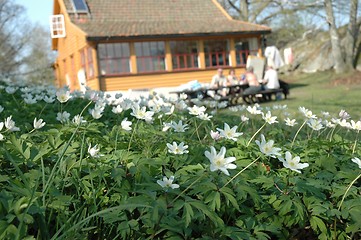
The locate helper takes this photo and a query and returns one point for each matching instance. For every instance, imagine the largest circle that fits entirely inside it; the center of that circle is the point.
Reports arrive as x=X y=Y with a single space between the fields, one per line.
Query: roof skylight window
x=80 y=6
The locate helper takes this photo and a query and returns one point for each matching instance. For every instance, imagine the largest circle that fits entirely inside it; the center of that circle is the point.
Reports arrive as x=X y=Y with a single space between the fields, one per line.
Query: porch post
x=201 y=57
x=133 y=58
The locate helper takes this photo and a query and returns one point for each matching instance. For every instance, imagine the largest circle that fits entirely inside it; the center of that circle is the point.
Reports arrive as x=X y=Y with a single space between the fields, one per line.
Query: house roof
x=152 y=18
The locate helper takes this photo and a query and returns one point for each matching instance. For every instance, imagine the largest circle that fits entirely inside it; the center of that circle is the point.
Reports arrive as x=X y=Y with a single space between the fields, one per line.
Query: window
x=80 y=6
x=83 y=59
x=184 y=54
x=114 y=58
x=57 y=26
x=150 y=56
x=244 y=48
x=90 y=69
x=216 y=53
x=86 y=62
x=73 y=77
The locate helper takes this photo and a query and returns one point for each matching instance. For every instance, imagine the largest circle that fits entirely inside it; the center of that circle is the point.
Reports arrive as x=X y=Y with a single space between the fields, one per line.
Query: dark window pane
x=111 y=57
x=118 y=49
x=150 y=56
x=184 y=54
x=80 y=6
x=216 y=53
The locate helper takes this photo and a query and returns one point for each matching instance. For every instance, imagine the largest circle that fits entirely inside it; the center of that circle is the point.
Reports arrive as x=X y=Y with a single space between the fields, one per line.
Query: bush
x=154 y=167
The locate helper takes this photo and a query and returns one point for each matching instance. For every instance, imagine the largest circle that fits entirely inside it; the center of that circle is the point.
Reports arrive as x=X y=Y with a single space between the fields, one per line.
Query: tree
x=340 y=65
x=38 y=62
x=11 y=40
x=344 y=47
x=24 y=47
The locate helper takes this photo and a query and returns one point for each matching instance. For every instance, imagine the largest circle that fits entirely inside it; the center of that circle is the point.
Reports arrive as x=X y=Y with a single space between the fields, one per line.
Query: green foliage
x=53 y=188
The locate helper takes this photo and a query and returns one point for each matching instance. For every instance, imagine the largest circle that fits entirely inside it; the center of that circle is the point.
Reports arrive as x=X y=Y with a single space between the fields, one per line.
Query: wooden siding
x=172 y=79
x=69 y=46
x=75 y=41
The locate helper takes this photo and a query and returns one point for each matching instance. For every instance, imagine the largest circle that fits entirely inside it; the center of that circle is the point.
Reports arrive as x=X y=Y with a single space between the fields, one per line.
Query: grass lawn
x=319 y=92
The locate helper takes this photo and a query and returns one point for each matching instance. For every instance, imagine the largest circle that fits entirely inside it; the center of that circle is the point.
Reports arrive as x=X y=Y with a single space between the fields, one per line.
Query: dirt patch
x=353 y=79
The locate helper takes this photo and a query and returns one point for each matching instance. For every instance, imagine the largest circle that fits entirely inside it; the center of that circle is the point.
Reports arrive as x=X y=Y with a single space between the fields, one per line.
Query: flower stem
x=186 y=189
x=131 y=137
x=240 y=172
x=254 y=135
x=354 y=145
x=197 y=127
x=348 y=188
x=294 y=138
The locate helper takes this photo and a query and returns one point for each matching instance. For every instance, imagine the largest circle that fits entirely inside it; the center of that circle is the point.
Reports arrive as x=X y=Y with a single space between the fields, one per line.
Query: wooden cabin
x=143 y=44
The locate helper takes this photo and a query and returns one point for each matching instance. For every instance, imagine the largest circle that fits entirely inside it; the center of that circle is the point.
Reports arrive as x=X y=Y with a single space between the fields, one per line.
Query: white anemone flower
x=307 y=113
x=344 y=123
x=62 y=116
x=78 y=120
x=195 y=110
x=254 y=110
x=148 y=117
x=138 y=112
x=166 y=126
x=290 y=122
x=244 y=118
x=1 y=127
x=167 y=183
x=357 y=161
x=219 y=162
x=178 y=127
x=63 y=95
x=177 y=149
x=344 y=115
x=215 y=135
x=356 y=125
x=180 y=105
x=49 y=99
x=11 y=90
x=229 y=133
x=293 y=163
x=29 y=99
x=329 y=124
x=1 y=109
x=168 y=110
x=315 y=124
x=268 y=118
x=204 y=116
x=117 y=109
x=94 y=151
x=96 y=112
x=267 y=147
x=325 y=114
x=38 y=123
x=126 y=125
x=10 y=124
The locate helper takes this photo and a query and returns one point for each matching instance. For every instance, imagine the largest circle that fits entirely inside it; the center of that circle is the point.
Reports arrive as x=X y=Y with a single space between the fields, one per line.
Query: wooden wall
x=75 y=40
x=172 y=79
x=68 y=47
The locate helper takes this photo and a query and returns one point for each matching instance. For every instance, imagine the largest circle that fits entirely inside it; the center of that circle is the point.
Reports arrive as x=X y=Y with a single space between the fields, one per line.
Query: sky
x=38 y=11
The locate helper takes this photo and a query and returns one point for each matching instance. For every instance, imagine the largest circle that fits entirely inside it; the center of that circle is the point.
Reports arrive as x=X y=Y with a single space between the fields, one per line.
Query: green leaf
x=4 y=178
x=187 y=214
x=204 y=209
x=214 y=200
x=317 y=224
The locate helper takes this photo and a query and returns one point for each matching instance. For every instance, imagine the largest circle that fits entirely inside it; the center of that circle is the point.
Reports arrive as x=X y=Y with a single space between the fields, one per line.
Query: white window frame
x=57 y=26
